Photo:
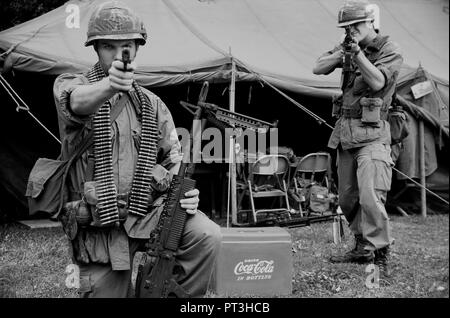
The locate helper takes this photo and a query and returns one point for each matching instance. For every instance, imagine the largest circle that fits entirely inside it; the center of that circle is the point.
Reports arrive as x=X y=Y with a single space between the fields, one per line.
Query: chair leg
x=240 y=199
x=251 y=201
x=297 y=191
x=286 y=198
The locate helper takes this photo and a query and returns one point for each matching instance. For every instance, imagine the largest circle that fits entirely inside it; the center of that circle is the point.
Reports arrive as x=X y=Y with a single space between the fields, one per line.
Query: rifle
x=347 y=67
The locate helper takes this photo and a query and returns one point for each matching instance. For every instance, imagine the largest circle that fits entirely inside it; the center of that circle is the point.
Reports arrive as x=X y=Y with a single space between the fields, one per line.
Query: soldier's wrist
x=109 y=86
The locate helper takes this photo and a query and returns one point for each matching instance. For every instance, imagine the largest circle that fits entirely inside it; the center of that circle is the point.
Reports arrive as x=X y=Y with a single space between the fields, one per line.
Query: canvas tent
x=432 y=110
x=190 y=41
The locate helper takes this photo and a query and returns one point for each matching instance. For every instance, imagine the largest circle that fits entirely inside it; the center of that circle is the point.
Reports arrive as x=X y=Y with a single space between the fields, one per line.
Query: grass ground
x=33 y=262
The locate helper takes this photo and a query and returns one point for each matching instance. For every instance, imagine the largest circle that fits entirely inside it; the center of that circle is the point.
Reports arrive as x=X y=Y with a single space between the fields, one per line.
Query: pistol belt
x=351 y=112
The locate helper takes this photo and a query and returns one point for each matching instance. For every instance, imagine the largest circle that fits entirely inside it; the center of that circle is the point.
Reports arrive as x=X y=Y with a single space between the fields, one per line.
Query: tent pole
x=423 y=197
x=232 y=146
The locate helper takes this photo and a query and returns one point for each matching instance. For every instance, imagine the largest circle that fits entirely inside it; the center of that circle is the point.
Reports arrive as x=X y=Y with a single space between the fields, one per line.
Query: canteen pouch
x=399 y=125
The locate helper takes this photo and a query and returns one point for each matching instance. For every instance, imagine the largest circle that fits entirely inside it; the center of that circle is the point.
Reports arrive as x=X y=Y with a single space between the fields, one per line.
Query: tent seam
x=193 y=29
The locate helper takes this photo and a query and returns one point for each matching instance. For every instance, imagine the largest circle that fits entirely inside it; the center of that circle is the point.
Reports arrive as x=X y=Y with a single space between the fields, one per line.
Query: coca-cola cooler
x=254 y=261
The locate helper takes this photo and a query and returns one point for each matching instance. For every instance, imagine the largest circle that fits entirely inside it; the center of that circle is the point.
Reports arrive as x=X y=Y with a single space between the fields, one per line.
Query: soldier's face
x=360 y=30
x=111 y=50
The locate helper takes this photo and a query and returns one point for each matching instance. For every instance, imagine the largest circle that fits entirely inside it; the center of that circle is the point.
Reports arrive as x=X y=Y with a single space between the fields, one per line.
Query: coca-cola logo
x=254 y=267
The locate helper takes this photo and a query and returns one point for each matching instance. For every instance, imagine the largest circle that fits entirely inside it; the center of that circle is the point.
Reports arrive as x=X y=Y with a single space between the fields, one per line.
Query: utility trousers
x=196 y=256
x=364 y=179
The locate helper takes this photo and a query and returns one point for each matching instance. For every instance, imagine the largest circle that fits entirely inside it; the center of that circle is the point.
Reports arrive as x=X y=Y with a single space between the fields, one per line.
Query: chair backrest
x=317 y=162
x=270 y=165
x=314 y=162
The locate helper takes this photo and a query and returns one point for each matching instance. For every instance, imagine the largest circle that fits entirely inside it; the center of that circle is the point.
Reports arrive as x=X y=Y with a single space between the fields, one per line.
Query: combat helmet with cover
x=113 y=20
x=355 y=11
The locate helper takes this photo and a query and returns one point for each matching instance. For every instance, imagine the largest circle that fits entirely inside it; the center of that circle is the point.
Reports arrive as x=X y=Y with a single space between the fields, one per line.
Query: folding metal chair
x=266 y=179
x=314 y=168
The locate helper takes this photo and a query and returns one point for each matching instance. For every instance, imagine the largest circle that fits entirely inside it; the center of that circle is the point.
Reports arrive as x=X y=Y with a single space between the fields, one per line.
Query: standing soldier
x=133 y=133
x=370 y=65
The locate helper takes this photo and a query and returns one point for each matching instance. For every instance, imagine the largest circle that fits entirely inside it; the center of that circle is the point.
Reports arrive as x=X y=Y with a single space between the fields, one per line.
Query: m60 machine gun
x=224 y=118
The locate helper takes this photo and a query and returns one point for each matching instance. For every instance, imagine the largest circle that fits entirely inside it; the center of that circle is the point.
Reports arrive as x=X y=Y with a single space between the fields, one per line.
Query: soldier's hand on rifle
x=191 y=202
x=354 y=48
x=338 y=55
x=119 y=79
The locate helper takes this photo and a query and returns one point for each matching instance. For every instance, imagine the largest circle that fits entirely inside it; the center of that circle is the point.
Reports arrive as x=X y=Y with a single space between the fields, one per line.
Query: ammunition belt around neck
x=106 y=190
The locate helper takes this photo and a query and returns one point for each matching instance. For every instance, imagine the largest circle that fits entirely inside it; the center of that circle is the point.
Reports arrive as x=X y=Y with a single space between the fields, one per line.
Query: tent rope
x=15 y=97
x=418 y=184
x=320 y=120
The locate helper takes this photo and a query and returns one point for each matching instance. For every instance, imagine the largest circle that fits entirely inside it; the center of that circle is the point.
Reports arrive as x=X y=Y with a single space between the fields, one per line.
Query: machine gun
x=155 y=272
x=223 y=118
x=347 y=67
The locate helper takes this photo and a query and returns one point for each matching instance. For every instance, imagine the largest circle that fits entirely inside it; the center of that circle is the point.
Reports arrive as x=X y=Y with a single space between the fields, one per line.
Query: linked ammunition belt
x=106 y=191
x=140 y=187
x=103 y=174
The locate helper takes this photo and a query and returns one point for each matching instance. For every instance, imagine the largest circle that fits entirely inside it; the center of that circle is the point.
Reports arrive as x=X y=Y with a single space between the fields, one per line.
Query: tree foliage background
x=18 y=11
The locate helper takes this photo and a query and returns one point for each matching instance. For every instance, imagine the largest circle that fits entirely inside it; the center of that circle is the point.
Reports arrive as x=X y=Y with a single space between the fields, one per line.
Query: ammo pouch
x=371 y=108
x=85 y=210
x=80 y=213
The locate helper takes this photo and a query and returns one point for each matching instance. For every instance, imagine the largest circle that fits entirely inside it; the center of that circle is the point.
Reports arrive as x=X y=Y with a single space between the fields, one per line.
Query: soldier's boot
x=357 y=255
x=382 y=261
